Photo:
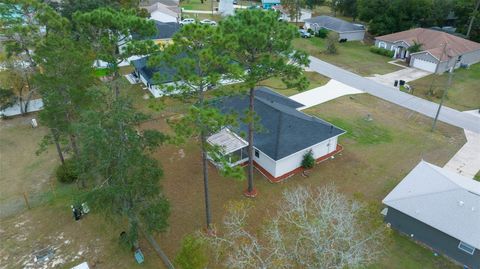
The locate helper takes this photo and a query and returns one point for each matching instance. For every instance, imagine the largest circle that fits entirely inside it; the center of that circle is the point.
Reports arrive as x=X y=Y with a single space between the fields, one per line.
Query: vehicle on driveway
x=304 y=33
x=187 y=21
x=208 y=22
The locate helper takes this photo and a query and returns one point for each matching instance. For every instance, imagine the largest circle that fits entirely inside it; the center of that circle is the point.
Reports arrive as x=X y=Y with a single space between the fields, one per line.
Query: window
x=382 y=45
x=257 y=153
x=466 y=247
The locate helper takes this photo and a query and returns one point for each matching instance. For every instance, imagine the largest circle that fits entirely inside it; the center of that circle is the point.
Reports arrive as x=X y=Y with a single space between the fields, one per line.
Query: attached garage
x=424 y=65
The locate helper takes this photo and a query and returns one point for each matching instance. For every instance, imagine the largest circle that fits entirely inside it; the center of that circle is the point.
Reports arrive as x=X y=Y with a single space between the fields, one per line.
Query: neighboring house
x=225 y=8
x=345 y=29
x=268 y=4
x=157 y=84
x=304 y=14
x=165 y=32
x=439 y=52
x=440 y=209
x=284 y=137
x=145 y=74
x=164 y=12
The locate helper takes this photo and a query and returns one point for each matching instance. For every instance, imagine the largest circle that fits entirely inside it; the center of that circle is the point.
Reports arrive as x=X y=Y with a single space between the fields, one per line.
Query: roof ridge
x=438 y=170
x=421 y=195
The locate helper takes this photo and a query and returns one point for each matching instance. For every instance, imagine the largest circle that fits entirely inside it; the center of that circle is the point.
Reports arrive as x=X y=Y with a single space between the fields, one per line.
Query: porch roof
x=226 y=139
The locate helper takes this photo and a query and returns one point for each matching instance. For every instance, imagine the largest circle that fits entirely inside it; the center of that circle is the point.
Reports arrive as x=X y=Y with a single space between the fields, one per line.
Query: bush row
x=322 y=33
x=382 y=51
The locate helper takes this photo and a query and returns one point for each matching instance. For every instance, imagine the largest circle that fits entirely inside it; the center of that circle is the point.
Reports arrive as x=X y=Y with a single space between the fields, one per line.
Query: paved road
x=422 y=106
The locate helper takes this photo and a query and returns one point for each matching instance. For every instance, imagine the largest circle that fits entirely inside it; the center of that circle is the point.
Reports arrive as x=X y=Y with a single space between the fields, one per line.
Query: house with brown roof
x=439 y=51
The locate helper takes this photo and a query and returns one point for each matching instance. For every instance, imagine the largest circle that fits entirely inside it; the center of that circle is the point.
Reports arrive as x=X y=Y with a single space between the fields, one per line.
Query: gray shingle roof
x=441 y=199
x=335 y=24
x=284 y=129
x=164 y=30
x=167 y=73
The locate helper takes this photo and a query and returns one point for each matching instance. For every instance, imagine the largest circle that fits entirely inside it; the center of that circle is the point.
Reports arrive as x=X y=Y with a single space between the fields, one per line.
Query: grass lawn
x=101 y=72
x=353 y=56
x=464 y=93
x=315 y=79
x=21 y=170
x=197 y=5
x=368 y=169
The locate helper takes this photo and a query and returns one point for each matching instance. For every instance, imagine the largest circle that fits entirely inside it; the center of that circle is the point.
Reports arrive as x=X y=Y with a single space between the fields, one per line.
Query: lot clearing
x=377 y=155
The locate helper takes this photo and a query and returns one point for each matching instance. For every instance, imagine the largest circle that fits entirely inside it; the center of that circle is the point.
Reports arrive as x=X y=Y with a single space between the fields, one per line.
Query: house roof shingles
x=433 y=42
x=441 y=199
x=335 y=24
x=167 y=73
x=284 y=130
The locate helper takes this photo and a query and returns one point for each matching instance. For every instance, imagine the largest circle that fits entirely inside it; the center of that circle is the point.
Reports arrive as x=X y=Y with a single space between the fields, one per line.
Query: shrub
x=67 y=173
x=332 y=40
x=310 y=31
x=382 y=51
x=192 y=253
x=322 y=33
x=308 y=160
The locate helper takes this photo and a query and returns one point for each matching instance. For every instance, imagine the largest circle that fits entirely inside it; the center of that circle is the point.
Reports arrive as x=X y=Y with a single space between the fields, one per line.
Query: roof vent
x=461 y=203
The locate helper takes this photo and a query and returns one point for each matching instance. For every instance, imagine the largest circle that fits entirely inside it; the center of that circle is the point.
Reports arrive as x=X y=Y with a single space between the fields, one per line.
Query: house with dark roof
x=164 y=34
x=440 y=209
x=157 y=79
x=346 y=30
x=284 y=137
x=145 y=73
x=439 y=50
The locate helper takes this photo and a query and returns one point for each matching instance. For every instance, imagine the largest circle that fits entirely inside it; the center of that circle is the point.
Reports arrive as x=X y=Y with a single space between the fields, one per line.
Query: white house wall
x=294 y=161
x=265 y=162
x=352 y=36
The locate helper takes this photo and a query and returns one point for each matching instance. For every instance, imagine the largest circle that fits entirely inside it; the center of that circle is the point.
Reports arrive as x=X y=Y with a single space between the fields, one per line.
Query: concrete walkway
x=333 y=89
x=467 y=160
x=391 y=94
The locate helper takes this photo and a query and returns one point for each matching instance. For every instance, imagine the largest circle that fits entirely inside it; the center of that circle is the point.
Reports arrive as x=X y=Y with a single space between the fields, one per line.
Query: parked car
x=235 y=2
x=209 y=22
x=304 y=33
x=187 y=21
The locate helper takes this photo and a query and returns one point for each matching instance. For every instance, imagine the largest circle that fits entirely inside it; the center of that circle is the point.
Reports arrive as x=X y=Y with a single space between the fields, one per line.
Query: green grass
x=353 y=56
x=363 y=131
x=101 y=72
x=464 y=93
x=315 y=79
x=477 y=176
x=197 y=5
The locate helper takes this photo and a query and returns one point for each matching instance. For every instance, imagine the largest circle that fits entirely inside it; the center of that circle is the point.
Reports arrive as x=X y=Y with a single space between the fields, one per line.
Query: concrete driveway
x=333 y=89
x=408 y=74
x=391 y=94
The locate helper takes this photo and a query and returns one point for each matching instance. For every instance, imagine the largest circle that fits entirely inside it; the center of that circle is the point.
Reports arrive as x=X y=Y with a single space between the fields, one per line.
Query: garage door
x=424 y=65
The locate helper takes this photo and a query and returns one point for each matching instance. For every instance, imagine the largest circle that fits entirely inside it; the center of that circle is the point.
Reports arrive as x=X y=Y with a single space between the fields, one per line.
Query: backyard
x=353 y=56
x=464 y=93
x=378 y=153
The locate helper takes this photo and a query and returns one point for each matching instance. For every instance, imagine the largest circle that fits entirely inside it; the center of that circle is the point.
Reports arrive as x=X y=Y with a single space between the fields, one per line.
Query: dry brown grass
x=366 y=171
x=21 y=170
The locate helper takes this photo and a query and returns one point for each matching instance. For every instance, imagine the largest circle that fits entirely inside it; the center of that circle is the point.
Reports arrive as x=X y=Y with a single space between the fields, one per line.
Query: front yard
x=377 y=155
x=276 y=84
x=353 y=56
x=464 y=93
